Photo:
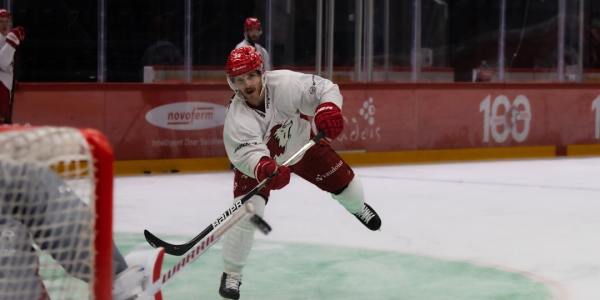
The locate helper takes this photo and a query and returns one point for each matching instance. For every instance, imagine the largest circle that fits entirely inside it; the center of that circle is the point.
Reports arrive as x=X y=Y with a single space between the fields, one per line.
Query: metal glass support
x=386 y=39
x=358 y=20
x=369 y=39
x=581 y=37
x=101 y=58
x=416 y=50
x=502 y=42
x=562 y=7
x=8 y=5
x=330 y=32
x=319 y=41
x=269 y=36
x=187 y=38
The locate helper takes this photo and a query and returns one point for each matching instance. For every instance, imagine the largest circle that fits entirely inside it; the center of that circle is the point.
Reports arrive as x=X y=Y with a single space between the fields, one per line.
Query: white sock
x=352 y=198
x=238 y=241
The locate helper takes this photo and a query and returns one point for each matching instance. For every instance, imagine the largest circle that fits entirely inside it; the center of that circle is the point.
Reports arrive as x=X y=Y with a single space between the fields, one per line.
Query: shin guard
x=238 y=241
x=352 y=197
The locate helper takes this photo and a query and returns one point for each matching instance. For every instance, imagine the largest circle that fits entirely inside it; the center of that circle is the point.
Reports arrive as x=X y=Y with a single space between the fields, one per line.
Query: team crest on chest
x=279 y=137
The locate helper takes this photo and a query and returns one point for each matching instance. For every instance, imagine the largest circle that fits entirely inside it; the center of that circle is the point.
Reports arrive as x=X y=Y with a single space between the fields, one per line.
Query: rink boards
x=178 y=127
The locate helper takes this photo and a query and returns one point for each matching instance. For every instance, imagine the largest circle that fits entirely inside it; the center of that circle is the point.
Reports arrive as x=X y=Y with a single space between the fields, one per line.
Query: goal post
x=104 y=174
x=56 y=193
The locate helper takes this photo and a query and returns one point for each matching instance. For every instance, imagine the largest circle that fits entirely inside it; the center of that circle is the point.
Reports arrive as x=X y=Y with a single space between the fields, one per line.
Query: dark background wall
x=62 y=35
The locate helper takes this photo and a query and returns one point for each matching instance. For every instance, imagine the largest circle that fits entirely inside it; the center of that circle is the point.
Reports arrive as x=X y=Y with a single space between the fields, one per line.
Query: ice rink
x=487 y=230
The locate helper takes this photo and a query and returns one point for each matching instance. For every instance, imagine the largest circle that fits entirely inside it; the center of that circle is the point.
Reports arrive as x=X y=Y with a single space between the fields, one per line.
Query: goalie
x=267 y=121
x=38 y=209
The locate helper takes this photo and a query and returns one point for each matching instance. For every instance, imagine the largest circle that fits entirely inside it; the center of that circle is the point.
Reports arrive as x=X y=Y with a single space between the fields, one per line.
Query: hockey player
x=266 y=123
x=10 y=39
x=38 y=208
x=252 y=33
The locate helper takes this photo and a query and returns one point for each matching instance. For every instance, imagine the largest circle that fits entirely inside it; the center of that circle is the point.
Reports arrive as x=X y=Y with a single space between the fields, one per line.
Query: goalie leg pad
x=238 y=241
x=119 y=263
x=352 y=197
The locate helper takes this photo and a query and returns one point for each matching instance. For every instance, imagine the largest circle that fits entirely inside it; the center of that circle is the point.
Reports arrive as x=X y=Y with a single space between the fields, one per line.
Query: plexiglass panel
x=591 y=41
x=474 y=27
x=373 y=40
x=61 y=40
x=436 y=50
x=531 y=40
x=145 y=37
x=293 y=35
x=217 y=27
x=392 y=51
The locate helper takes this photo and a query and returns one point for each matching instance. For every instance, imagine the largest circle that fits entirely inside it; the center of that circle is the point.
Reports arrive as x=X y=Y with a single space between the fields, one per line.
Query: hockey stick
x=155 y=284
x=178 y=250
x=11 y=101
x=11 y=95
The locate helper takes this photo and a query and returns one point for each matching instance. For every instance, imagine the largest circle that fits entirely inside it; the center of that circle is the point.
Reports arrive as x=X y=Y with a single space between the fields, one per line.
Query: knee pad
x=352 y=197
x=259 y=204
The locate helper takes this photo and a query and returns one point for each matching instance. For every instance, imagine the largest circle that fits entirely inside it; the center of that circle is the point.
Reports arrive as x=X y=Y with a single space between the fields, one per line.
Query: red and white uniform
x=283 y=128
x=7 y=54
x=9 y=42
x=259 y=139
x=253 y=23
x=263 y=52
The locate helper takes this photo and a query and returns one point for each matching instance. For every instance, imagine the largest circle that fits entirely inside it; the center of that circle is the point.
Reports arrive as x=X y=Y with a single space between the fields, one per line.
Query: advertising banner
x=163 y=121
x=155 y=124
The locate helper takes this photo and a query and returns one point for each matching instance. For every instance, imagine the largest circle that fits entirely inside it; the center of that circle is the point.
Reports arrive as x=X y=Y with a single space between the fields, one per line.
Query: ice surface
x=539 y=217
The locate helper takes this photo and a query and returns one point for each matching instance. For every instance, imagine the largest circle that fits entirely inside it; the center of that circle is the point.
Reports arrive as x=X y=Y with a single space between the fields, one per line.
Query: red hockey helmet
x=243 y=60
x=252 y=23
x=5 y=13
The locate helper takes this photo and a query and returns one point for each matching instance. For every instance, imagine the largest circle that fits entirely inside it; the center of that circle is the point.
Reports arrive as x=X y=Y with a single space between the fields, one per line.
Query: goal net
x=55 y=213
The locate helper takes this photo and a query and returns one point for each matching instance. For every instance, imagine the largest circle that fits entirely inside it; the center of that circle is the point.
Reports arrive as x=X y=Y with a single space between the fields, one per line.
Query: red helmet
x=5 y=13
x=243 y=60
x=252 y=23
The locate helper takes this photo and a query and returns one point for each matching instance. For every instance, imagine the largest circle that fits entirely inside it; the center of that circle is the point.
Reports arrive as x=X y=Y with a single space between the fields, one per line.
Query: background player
x=10 y=39
x=252 y=33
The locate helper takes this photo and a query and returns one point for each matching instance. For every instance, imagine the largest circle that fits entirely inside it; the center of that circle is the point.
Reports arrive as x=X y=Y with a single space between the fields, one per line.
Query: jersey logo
x=333 y=169
x=278 y=140
x=242 y=145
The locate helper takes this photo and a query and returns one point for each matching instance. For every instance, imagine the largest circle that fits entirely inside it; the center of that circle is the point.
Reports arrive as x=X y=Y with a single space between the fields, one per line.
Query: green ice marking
x=293 y=271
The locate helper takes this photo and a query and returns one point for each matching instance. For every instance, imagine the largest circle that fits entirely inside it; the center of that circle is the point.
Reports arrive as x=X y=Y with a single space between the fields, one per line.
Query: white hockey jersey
x=283 y=128
x=7 y=54
x=263 y=52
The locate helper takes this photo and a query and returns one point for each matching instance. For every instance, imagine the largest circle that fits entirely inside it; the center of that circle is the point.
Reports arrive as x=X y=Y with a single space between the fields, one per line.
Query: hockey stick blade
x=154 y=284
x=181 y=249
x=156 y=242
x=261 y=224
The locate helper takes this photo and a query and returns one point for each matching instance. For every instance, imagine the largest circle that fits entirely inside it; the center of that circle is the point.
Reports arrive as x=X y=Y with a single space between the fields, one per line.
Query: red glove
x=15 y=36
x=267 y=166
x=328 y=118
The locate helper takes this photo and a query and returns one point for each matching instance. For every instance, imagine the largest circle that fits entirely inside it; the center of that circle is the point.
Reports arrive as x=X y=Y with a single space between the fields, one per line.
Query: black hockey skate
x=369 y=217
x=230 y=286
